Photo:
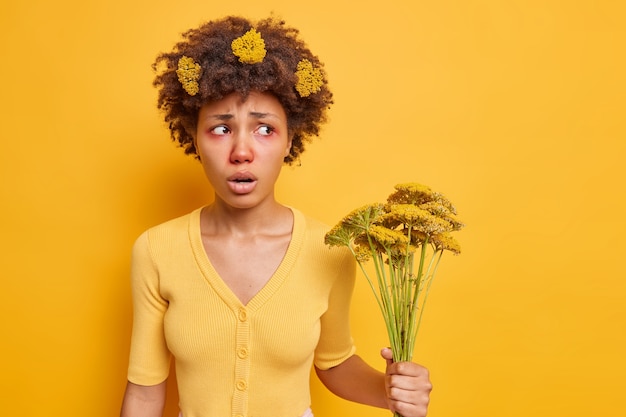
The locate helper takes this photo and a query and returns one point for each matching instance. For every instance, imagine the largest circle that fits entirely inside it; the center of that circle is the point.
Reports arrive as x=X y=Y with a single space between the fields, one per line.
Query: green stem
x=392 y=289
x=415 y=302
x=407 y=292
x=377 y=295
x=432 y=277
x=371 y=284
x=384 y=295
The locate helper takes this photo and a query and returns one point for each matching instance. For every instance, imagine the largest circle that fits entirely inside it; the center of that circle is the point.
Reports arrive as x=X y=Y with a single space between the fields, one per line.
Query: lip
x=242 y=182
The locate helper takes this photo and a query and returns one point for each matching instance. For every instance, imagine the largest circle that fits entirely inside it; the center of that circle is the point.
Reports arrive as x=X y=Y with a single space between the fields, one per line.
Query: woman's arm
x=355 y=380
x=143 y=401
x=404 y=387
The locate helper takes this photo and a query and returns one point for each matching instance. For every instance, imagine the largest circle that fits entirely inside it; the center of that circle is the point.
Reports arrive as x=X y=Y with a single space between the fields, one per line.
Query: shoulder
x=315 y=226
x=315 y=233
x=313 y=230
x=169 y=232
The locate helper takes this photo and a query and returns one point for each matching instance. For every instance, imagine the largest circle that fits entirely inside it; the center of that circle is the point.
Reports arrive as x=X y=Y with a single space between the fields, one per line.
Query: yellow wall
x=513 y=109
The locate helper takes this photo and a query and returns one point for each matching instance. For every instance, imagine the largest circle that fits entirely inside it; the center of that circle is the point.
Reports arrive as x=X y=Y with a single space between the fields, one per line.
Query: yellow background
x=513 y=109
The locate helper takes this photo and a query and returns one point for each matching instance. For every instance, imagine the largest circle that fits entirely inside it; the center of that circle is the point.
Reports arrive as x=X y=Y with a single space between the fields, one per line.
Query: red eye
x=265 y=130
x=220 y=130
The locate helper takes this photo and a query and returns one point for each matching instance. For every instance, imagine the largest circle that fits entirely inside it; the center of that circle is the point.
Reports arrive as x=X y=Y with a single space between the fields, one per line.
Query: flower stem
x=432 y=277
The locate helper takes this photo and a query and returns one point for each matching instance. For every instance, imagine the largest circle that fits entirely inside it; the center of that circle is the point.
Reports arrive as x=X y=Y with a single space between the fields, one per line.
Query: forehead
x=235 y=104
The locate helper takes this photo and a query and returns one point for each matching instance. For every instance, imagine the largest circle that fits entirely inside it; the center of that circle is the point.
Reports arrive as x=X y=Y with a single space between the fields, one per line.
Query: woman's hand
x=407 y=386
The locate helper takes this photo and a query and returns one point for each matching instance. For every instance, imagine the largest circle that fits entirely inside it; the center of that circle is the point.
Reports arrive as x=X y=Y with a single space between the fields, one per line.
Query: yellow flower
x=310 y=80
x=405 y=214
x=405 y=238
x=338 y=236
x=410 y=193
x=441 y=199
x=250 y=47
x=433 y=225
x=418 y=237
x=414 y=218
x=362 y=218
x=446 y=242
x=188 y=73
x=443 y=211
x=387 y=237
x=386 y=241
x=351 y=230
x=362 y=253
x=436 y=208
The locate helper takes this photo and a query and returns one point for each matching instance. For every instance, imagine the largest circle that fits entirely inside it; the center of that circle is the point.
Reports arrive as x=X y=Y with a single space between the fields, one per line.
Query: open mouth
x=242 y=178
x=242 y=182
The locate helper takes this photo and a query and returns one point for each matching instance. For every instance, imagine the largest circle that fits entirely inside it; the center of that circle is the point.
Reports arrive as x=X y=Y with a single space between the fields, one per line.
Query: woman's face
x=242 y=146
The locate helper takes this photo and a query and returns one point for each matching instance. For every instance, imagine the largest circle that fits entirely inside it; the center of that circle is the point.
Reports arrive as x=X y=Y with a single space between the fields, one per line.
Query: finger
x=409 y=409
x=407 y=369
x=387 y=354
x=409 y=383
x=415 y=395
x=409 y=396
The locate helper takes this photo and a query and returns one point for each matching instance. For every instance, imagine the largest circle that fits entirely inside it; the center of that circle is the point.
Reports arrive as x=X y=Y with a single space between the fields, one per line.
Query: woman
x=243 y=292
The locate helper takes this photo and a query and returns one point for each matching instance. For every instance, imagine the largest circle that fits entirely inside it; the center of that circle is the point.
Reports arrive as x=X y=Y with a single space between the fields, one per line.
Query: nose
x=242 y=151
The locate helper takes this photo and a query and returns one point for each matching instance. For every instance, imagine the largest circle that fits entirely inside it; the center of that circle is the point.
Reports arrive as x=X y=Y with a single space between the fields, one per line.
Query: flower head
x=415 y=219
x=360 y=220
x=362 y=253
x=390 y=242
x=354 y=225
x=249 y=47
x=410 y=193
x=310 y=79
x=440 y=209
x=405 y=214
x=445 y=241
x=338 y=236
x=188 y=73
x=388 y=238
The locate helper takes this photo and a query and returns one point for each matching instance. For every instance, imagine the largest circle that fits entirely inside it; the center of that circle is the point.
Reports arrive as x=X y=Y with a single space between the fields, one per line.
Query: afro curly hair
x=223 y=73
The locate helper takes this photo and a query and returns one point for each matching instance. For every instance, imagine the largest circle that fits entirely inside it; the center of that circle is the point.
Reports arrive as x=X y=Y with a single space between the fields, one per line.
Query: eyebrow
x=260 y=115
x=228 y=116
x=221 y=116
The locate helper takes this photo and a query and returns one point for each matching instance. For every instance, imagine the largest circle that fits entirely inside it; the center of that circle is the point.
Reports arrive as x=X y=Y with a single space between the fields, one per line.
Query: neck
x=220 y=218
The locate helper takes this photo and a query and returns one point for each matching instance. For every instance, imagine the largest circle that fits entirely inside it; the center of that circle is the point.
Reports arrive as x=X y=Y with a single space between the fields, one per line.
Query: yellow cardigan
x=232 y=359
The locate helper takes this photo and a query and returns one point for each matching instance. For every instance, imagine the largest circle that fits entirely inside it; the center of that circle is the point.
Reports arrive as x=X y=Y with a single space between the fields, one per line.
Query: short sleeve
x=336 y=344
x=149 y=361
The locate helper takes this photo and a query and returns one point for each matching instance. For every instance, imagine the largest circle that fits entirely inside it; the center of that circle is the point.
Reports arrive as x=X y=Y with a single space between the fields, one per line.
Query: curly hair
x=222 y=73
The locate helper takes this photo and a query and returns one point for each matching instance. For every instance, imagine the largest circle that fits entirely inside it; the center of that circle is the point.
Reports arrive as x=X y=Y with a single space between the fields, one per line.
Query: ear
x=289 y=143
x=194 y=137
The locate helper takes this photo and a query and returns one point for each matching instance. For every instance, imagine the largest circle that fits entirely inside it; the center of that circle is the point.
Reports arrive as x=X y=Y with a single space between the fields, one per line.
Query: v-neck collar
x=272 y=285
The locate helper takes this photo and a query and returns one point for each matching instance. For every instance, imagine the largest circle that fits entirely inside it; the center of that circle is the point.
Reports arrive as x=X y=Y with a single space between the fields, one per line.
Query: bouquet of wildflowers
x=405 y=238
